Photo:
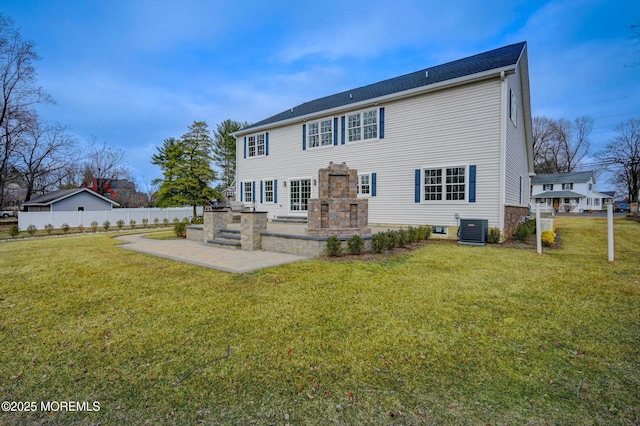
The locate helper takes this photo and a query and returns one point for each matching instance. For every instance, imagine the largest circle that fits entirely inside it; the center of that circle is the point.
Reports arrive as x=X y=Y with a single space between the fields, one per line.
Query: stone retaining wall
x=303 y=245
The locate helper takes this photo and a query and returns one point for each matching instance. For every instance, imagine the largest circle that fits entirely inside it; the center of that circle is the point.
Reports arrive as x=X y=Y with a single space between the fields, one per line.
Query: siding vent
x=426 y=74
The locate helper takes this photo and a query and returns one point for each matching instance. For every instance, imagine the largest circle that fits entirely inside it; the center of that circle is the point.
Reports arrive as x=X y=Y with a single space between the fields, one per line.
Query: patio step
x=289 y=219
x=229 y=238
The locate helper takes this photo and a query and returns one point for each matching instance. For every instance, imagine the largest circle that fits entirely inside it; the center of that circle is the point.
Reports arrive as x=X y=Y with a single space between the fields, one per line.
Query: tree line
x=561 y=146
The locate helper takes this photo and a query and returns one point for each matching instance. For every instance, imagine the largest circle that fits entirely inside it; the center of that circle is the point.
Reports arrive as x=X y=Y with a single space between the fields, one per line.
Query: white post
x=538 y=229
x=610 y=230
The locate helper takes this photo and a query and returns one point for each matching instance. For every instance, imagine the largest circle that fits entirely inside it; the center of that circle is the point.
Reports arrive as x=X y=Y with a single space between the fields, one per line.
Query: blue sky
x=135 y=72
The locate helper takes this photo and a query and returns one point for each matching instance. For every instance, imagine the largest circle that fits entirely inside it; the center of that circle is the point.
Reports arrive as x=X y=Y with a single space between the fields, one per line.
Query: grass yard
x=447 y=335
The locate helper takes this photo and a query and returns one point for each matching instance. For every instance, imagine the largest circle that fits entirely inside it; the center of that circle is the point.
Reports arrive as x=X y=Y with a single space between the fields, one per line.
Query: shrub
x=402 y=237
x=334 y=247
x=355 y=244
x=145 y=222
x=493 y=236
x=165 y=221
x=48 y=228
x=379 y=242
x=176 y=220
x=525 y=230
x=392 y=239
x=119 y=223
x=94 y=226
x=14 y=231
x=180 y=229
x=412 y=234
x=31 y=229
x=424 y=232
x=156 y=221
x=65 y=227
x=548 y=238
x=106 y=224
x=132 y=223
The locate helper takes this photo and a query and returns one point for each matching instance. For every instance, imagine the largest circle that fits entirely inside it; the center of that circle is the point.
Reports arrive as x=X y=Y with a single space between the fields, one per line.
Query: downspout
x=503 y=150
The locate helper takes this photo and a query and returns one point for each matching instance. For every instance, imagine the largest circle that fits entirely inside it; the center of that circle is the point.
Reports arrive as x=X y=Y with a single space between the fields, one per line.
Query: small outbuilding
x=69 y=200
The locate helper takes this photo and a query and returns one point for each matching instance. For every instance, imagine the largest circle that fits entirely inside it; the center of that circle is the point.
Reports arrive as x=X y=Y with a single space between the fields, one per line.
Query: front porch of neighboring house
x=562 y=204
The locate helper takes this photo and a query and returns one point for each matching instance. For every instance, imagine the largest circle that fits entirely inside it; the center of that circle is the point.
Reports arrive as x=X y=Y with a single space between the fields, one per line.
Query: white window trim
x=311 y=195
x=244 y=193
x=264 y=190
x=444 y=184
x=319 y=122
x=362 y=125
x=255 y=135
x=359 y=195
x=513 y=107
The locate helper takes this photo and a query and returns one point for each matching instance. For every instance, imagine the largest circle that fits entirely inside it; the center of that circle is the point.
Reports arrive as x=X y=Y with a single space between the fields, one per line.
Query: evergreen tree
x=186 y=169
x=224 y=150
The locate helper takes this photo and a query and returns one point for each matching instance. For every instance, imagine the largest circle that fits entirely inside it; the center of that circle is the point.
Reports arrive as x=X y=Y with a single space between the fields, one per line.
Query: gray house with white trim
x=446 y=142
x=69 y=200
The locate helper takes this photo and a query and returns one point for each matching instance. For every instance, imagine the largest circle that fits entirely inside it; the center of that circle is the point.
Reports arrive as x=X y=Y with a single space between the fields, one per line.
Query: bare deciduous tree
x=560 y=145
x=622 y=158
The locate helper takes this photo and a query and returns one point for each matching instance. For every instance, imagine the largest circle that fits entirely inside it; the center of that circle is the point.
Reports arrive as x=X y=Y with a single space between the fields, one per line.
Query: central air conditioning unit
x=473 y=231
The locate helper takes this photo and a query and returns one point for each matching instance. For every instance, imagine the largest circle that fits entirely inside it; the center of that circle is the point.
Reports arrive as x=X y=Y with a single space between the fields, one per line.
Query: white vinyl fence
x=74 y=219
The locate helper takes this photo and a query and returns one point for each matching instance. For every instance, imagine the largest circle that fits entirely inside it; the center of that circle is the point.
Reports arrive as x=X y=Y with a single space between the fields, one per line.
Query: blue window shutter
x=304 y=137
x=261 y=191
x=275 y=190
x=417 y=188
x=245 y=148
x=381 y=123
x=472 y=184
x=342 y=119
x=266 y=143
x=241 y=190
x=373 y=184
x=335 y=131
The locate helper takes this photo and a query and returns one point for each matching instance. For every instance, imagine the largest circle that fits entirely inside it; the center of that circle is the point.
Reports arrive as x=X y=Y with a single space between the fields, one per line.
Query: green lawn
x=448 y=334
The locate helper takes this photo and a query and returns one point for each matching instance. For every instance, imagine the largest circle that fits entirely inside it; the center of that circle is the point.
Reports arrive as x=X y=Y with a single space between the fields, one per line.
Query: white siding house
x=568 y=192
x=443 y=143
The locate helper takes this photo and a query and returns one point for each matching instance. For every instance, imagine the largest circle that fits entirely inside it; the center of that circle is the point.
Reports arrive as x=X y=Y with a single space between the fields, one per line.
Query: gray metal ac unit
x=473 y=231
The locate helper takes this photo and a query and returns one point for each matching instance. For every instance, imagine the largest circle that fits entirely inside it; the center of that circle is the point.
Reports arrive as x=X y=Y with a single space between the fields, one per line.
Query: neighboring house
x=446 y=142
x=69 y=200
x=568 y=192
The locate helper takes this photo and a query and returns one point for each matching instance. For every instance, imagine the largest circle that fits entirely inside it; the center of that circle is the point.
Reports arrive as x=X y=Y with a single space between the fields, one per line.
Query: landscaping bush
x=94 y=226
x=132 y=224
x=106 y=224
x=180 y=229
x=355 y=244
x=145 y=222
x=65 y=227
x=48 y=228
x=31 y=229
x=14 y=231
x=379 y=242
x=493 y=236
x=412 y=234
x=548 y=238
x=525 y=230
x=165 y=221
x=402 y=237
x=424 y=232
x=120 y=224
x=176 y=220
x=156 y=221
x=334 y=248
x=392 y=239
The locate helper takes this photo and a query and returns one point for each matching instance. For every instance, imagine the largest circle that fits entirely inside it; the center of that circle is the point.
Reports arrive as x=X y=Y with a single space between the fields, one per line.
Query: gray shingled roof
x=495 y=59
x=559 y=194
x=575 y=177
x=52 y=197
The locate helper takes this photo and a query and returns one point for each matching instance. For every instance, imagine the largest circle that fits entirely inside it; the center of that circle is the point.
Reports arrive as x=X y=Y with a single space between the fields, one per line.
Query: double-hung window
x=567 y=186
x=362 y=125
x=256 y=145
x=547 y=187
x=364 y=184
x=247 y=192
x=268 y=191
x=320 y=133
x=446 y=183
